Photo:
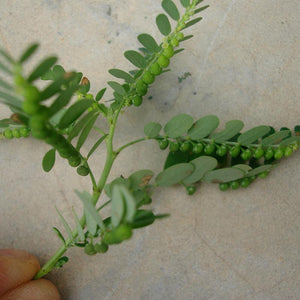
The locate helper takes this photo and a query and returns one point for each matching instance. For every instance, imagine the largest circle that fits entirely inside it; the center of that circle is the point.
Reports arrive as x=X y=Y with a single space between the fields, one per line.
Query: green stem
x=130 y=144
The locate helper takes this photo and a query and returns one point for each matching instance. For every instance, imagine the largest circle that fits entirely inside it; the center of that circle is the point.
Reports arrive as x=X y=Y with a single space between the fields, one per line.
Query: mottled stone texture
x=244 y=63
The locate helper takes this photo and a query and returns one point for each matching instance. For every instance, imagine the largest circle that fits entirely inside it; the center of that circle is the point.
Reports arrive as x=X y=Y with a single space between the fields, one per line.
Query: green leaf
x=62 y=100
x=290 y=141
x=90 y=209
x=178 y=125
x=79 y=227
x=187 y=37
x=121 y=74
x=61 y=262
x=117 y=206
x=193 y=22
x=140 y=179
x=49 y=160
x=130 y=203
x=163 y=24
x=202 y=165
x=243 y=167
x=5 y=85
x=252 y=135
x=174 y=174
x=117 y=87
x=224 y=175
x=231 y=129
x=275 y=138
x=5 y=69
x=52 y=89
x=66 y=225
x=178 y=51
x=80 y=124
x=97 y=144
x=142 y=218
x=74 y=112
x=42 y=68
x=152 y=129
x=174 y=158
x=185 y=3
x=119 y=180
x=59 y=234
x=203 y=127
x=100 y=94
x=148 y=42
x=10 y=100
x=171 y=9
x=85 y=132
x=259 y=170
x=6 y=56
x=28 y=52
x=196 y=11
x=136 y=59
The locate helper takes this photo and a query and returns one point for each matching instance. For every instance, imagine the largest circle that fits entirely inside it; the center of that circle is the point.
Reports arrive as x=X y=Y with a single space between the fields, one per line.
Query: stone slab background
x=245 y=64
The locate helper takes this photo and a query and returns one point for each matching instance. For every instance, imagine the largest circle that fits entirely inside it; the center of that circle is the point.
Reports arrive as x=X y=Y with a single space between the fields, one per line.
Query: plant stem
x=130 y=144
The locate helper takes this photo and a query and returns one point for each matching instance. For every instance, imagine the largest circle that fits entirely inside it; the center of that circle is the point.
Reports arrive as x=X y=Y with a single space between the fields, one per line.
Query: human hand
x=17 y=268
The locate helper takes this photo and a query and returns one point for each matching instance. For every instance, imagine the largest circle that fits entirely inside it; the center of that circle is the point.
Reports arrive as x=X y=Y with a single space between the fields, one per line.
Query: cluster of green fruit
x=16 y=132
x=115 y=236
x=161 y=61
x=244 y=182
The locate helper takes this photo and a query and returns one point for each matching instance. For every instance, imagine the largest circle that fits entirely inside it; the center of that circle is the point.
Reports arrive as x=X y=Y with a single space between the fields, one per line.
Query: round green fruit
x=185 y=146
x=24 y=132
x=222 y=150
x=169 y=51
x=101 y=248
x=223 y=186
x=155 y=69
x=137 y=100
x=245 y=182
x=174 y=146
x=209 y=149
x=148 y=78
x=8 y=134
x=16 y=133
x=110 y=238
x=89 y=249
x=31 y=94
x=234 y=185
x=163 y=61
x=179 y=36
x=197 y=148
x=246 y=154
x=74 y=161
x=288 y=152
x=263 y=174
x=39 y=133
x=269 y=154
x=30 y=108
x=190 y=190
x=278 y=154
x=259 y=153
x=163 y=144
x=83 y=171
x=235 y=151
x=141 y=87
x=38 y=121
x=174 y=42
x=123 y=232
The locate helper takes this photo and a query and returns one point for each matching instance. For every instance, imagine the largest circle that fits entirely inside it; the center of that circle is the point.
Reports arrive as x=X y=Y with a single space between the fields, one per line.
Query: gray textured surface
x=245 y=64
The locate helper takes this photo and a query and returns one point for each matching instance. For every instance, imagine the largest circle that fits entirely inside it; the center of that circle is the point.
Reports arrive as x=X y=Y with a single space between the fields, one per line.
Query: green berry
x=169 y=51
x=74 y=161
x=185 y=146
x=234 y=185
x=24 y=132
x=155 y=69
x=209 y=149
x=252 y=178
x=137 y=100
x=223 y=186
x=40 y=133
x=174 y=146
x=31 y=94
x=123 y=232
x=110 y=238
x=245 y=182
x=288 y=152
x=16 y=133
x=83 y=171
x=190 y=190
x=141 y=87
x=179 y=36
x=235 y=151
x=89 y=249
x=163 y=61
x=174 y=42
x=148 y=78
x=263 y=174
x=278 y=154
x=197 y=148
x=259 y=153
x=37 y=121
x=163 y=144
x=30 y=108
x=101 y=248
x=19 y=81
x=269 y=154
x=8 y=134
x=246 y=154
x=222 y=150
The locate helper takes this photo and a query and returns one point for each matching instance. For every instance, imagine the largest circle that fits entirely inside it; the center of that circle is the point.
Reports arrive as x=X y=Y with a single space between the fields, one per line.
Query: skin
x=17 y=268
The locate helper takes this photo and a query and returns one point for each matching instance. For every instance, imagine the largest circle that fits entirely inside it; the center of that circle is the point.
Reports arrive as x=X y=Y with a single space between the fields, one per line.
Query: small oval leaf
x=174 y=174
x=232 y=128
x=28 y=52
x=178 y=125
x=49 y=160
x=148 y=42
x=163 y=24
x=139 y=179
x=142 y=218
x=42 y=68
x=291 y=140
x=253 y=134
x=117 y=87
x=185 y=3
x=203 y=127
x=193 y=22
x=171 y=9
x=152 y=129
x=259 y=170
x=121 y=74
x=224 y=175
x=275 y=138
x=136 y=58
x=100 y=94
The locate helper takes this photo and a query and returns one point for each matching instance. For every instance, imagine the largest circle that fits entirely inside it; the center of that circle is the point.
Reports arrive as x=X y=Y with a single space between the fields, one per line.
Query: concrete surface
x=245 y=62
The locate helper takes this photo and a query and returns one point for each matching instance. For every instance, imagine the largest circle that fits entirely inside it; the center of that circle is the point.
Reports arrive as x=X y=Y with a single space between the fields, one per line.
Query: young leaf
x=142 y=218
x=74 y=112
x=5 y=85
x=59 y=234
x=117 y=206
x=202 y=165
x=232 y=128
x=171 y=9
x=97 y=144
x=187 y=37
x=163 y=24
x=42 y=68
x=252 y=135
x=10 y=100
x=243 y=167
x=117 y=87
x=275 y=137
x=139 y=179
x=79 y=227
x=224 y=175
x=178 y=125
x=174 y=174
x=60 y=263
x=85 y=132
x=130 y=203
x=100 y=94
x=193 y=22
x=5 y=69
x=136 y=59
x=28 y=52
x=66 y=225
x=52 y=89
x=178 y=51
x=90 y=209
x=196 y=11
x=185 y=3
x=259 y=170
x=203 y=127
x=148 y=42
x=6 y=56
x=152 y=129
x=121 y=74
x=291 y=140
x=49 y=160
